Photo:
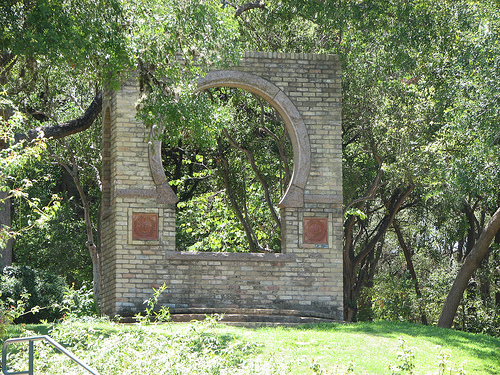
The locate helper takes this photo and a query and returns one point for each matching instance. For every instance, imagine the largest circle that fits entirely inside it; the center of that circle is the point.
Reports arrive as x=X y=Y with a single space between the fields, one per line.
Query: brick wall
x=138 y=202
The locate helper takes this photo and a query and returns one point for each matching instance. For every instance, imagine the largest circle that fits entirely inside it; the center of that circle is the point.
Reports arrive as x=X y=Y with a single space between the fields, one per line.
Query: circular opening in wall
x=230 y=175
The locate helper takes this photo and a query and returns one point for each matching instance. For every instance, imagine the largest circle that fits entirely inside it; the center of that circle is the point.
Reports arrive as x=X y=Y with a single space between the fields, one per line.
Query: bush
x=61 y=236
x=79 y=303
x=43 y=291
x=395 y=299
x=9 y=312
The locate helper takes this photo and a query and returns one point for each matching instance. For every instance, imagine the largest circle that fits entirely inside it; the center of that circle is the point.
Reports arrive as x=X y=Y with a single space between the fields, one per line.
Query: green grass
x=209 y=348
x=372 y=347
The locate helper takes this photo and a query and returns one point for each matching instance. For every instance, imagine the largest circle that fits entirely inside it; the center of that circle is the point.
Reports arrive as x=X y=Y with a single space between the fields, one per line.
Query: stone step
x=251 y=317
x=239 y=311
x=260 y=324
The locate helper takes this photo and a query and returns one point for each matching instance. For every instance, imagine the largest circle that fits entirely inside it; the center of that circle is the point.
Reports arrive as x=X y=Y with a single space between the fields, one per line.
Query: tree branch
x=373 y=188
x=249 y=233
x=63 y=130
x=261 y=179
x=249 y=6
x=409 y=263
x=279 y=144
x=396 y=201
x=72 y=168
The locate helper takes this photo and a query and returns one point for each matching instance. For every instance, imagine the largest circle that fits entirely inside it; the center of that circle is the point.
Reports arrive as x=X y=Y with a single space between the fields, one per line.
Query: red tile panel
x=315 y=230
x=144 y=226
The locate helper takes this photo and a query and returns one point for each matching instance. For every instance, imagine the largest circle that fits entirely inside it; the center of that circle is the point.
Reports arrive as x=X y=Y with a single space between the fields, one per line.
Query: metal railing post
x=31 y=355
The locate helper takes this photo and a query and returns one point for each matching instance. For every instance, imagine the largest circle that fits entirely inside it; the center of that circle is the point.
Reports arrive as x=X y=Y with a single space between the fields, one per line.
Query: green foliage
x=206 y=223
x=220 y=190
x=80 y=35
x=10 y=310
x=175 y=44
x=151 y=312
x=393 y=295
x=444 y=365
x=187 y=118
x=199 y=349
x=45 y=225
x=208 y=347
x=43 y=292
x=79 y=303
x=406 y=358
x=14 y=160
x=420 y=90
x=476 y=315
x=395 y=299
x=61 y=236
x=280 y=27
x=201 y=32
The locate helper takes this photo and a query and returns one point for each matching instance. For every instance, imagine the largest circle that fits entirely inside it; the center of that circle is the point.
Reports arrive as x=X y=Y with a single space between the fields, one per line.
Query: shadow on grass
x=476 y=345
x=18 y=330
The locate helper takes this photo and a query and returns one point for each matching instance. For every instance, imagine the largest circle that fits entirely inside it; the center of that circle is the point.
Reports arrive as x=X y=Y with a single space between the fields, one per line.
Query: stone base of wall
x=241 y=281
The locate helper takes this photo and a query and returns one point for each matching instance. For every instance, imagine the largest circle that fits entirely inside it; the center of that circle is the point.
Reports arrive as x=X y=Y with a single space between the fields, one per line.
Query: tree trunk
x=471 y=233
x=261 y=179
x=365 y=277
x=484 y=280
x=349 y=274
x=497 y=275
x=90 y=243
x=251 y=238
x=350 y=303
x=352 y=260
x=471 y=263
x=409 y=264
x=5 y=219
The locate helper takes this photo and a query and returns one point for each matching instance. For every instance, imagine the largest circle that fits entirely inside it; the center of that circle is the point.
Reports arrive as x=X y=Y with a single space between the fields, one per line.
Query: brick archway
x=138 y=225
x=294 y=196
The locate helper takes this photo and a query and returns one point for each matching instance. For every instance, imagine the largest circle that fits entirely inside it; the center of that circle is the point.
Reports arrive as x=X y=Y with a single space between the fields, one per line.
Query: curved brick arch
x=294 y=196
x=165 y=194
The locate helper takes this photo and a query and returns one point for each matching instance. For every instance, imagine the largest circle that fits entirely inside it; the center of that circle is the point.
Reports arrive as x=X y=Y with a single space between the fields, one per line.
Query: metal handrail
x=31 y=341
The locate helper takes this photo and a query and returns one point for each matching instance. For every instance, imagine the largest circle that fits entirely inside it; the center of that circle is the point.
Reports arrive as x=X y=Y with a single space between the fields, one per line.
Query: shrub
x=395 y=299
x=62 y=236
x=44 y=292
x=79 y=303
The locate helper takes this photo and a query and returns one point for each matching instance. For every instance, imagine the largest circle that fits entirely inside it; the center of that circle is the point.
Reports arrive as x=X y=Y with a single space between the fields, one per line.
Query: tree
x=49 y=52
x=471 y=151
x=409 y=262
x=401 y=99
x=70 y=127
x=263 y=143
x=242 y=167
x=5 y=241
x=73 y=169
x=470 y=265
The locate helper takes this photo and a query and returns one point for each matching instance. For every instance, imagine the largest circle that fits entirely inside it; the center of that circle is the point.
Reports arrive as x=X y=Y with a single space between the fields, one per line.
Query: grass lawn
x=372 y=347
x=209 y=348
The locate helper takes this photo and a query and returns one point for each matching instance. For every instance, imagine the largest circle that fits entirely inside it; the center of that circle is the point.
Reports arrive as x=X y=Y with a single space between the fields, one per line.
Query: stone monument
x=138 y=205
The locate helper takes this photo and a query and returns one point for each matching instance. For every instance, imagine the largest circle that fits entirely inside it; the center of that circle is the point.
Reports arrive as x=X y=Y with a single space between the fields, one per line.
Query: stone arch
x=294 y=196
x=165 y=194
